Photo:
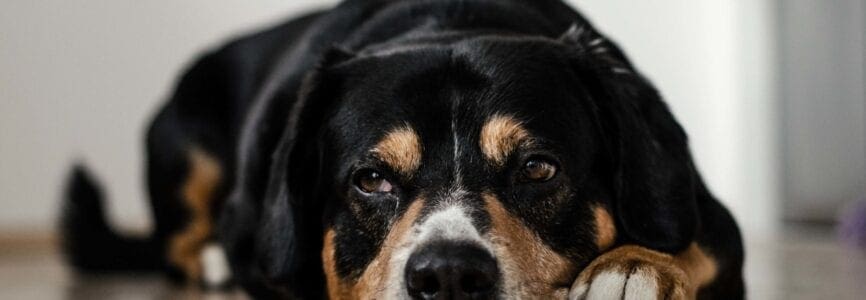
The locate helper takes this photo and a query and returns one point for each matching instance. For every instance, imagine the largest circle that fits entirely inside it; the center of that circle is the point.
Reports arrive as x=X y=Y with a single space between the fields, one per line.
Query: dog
x=431 y=149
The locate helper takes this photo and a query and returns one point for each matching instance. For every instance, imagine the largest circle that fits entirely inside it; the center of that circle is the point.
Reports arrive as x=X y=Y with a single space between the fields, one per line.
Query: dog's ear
x=653 y=178
x=289 y=238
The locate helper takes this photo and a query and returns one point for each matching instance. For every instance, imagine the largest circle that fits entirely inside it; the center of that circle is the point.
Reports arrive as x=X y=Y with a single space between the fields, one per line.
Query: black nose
x=451 y=270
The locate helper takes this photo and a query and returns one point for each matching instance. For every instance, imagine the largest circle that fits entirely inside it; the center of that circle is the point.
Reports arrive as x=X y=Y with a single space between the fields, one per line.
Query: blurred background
x=770 y=91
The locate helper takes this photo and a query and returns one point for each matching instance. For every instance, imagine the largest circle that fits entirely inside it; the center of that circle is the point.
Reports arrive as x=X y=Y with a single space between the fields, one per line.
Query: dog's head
x=476 y=167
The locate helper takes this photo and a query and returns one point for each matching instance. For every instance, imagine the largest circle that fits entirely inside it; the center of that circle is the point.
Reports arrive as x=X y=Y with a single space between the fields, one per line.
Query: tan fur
x=700 y=267
x=525 y=259
x=336 y=288
x=400 y=149
x=202 y=180
x=500 y=136
x=605 y=228
x=678 y=277
x=373 y=280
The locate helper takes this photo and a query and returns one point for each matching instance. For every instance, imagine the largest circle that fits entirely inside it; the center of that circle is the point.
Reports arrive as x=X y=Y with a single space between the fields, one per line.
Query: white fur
x=579 y=292
x=215 y=266
x=614 y=285
x=455 y=139
x=450 y=223
x=641 y=285
x=607 y=285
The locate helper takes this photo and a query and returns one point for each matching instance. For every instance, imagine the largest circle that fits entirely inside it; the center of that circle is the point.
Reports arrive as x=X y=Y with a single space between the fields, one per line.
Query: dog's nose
x=451 y=270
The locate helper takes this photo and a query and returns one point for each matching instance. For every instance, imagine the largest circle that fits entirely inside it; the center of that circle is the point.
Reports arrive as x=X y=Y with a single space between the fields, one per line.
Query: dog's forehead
x=446 y=95
x=468 y=82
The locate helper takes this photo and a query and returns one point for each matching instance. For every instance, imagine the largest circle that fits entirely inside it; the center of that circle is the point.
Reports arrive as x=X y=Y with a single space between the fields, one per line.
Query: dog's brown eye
x=537 y=169
x=371 y=181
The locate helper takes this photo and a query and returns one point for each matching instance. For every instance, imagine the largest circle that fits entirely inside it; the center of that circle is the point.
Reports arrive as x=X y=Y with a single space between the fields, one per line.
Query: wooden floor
x=805 y=264
x=33 y=269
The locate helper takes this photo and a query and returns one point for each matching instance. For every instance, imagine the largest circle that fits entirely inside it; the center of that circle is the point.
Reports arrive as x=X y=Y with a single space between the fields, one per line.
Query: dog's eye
x=538 y=170
x=371 y=181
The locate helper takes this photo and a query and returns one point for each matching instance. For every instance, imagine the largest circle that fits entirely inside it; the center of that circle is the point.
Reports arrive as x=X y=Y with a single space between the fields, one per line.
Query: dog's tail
x=90 y=245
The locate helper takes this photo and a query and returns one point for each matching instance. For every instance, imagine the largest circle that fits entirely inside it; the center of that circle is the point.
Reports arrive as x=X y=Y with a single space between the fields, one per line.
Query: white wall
x=824 y=99
x=79 y=79
x=713 y=62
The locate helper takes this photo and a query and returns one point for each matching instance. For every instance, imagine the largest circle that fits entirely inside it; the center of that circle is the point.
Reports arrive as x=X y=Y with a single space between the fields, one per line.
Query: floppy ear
x=289 y=239
x=654 y=177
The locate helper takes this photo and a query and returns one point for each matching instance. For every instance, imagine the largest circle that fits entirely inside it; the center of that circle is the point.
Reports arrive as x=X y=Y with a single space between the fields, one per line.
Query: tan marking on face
x=373 y=281
x=203 y=178
x=605 y=228
x=337 y=288
x=533 y=267
x=400 y=149
x=684 y=273
x=500 y=136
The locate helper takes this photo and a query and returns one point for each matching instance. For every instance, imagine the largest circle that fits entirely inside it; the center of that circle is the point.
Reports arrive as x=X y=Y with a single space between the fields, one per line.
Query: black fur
x=91 y=245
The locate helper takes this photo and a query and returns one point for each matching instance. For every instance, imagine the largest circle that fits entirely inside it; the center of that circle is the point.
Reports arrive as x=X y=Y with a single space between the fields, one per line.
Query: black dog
x=423 y=149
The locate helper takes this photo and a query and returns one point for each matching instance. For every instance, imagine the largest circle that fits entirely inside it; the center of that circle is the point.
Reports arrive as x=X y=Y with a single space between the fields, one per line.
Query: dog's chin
x=558 y=292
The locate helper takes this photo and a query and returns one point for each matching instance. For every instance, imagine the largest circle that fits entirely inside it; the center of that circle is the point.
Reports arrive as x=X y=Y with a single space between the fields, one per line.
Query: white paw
x=216 y=271
x=640 y=284
x=630 y=272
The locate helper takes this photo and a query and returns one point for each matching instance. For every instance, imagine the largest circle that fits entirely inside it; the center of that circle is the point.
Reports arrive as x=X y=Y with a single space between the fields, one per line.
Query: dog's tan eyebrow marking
x=401 y=149
x=501 y=135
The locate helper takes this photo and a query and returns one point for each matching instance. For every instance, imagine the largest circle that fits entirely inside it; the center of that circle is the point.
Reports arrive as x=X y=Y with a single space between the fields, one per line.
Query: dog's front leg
x=634 y=272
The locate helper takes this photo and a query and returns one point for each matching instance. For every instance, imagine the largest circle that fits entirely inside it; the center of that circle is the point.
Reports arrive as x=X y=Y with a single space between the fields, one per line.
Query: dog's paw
x=631 y=272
